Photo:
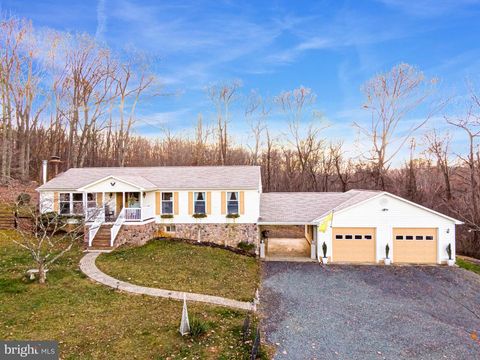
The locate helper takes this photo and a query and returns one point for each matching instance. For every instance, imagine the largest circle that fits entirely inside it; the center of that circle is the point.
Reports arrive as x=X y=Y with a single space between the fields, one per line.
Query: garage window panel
x=399 y=237
x=419 y=237
x=368 y=237
x=409 y=237
x=428 y=237
x=358 y=237
x=339 y=237
x=348 y=237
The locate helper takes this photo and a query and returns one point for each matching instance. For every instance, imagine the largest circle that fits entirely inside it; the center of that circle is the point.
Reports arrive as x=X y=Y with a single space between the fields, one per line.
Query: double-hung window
x=77 y=203
x=232 y=202
x=91 y=200
x=64 y=203
x=167 y=203
x=71 y=203
x=200 y=204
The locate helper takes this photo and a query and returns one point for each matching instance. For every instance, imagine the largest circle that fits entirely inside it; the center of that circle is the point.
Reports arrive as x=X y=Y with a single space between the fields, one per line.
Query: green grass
x=176 y=265
x=468 y=265
x=92 y=321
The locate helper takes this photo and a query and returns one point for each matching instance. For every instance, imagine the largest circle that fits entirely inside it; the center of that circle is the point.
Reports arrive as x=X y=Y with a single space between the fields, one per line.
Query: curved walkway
x=88 y=267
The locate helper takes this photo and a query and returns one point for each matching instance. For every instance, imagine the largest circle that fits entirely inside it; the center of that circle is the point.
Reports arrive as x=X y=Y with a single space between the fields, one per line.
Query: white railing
x=93 y=230
x=139 y=214
x=95 y=214
x=116 y=227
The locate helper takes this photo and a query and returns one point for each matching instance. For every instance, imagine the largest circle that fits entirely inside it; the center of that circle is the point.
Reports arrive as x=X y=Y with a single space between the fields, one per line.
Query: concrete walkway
x=88 y=267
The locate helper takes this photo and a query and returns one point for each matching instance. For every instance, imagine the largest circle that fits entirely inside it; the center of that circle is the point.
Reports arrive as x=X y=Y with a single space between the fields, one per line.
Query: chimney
x=44 y=170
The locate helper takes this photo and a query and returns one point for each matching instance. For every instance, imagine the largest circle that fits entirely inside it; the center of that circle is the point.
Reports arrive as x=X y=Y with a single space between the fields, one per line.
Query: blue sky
x=272 y=46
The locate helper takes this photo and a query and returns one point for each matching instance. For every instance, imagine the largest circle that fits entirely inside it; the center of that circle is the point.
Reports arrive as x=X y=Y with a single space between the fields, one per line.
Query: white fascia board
x=457 y=222
x=111 y=177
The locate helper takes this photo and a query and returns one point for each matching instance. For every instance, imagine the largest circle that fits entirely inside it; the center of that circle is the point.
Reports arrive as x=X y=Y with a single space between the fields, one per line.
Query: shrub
x=198 y=216
x=198 y=327
x=232 y=216
x=324 y=249
x=387 y=250
x=166 y=216
x=246 y=246
x=449 y=251
x=23 y=199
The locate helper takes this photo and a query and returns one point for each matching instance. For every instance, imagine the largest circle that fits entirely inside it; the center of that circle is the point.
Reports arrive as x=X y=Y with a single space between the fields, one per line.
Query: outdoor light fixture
x=448 y=231
x=384 y=209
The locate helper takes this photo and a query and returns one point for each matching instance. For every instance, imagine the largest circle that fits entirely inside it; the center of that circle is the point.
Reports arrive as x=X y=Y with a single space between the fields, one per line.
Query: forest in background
x=69 y=96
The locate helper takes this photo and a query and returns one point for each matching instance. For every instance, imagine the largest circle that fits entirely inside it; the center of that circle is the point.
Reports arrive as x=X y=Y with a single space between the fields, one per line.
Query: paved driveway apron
x=370 y=312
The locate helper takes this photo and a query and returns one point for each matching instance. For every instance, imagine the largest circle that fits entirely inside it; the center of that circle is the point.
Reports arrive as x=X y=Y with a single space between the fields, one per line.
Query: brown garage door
x=353 y=245
x=415 y=245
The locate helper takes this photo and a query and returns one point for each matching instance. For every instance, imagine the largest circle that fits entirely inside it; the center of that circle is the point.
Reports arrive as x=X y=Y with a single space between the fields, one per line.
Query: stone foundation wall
x=136 y=235
x=221 y=234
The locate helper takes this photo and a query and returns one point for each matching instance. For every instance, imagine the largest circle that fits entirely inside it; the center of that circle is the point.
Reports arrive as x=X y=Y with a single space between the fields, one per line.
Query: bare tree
x=439 y=147
x=47 y=238
x=223 y=95
x=392 y=97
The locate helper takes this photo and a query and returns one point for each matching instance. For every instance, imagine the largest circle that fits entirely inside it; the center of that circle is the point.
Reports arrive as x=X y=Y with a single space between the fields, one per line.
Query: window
x=167 y=203
x=399 y=237
x=199 y=207
x=367 y=237
x=91 y=200
x=339 y=237
x=64 y=203
x=232 y=202
x=358 y=237
x=418 y=237
x=170 y=228
x=409 y=237
x=428 y=237
x=349 y=237
x=77 y=203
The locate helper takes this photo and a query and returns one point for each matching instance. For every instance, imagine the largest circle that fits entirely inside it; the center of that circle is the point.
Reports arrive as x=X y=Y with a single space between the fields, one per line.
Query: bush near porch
x=92 y=321
x=176 y=265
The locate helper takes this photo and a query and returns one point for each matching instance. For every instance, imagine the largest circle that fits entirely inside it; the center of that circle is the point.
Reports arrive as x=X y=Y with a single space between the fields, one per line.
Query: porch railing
x=93 y=230
x=139 y=214
x=116 y=227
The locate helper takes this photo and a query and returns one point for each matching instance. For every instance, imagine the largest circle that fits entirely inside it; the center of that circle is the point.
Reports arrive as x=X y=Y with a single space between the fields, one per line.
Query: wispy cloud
x=431 y=8
x=101 y=20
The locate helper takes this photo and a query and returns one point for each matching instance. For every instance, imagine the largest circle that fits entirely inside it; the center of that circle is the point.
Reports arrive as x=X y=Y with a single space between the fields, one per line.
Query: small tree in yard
x=47 y=238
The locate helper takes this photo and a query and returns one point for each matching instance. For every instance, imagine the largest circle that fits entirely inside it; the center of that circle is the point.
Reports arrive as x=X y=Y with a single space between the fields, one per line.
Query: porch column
x=141 y=205
x=123 y=200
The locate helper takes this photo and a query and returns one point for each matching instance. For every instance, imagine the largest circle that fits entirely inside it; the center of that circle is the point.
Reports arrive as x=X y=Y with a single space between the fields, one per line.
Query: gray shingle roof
x=162 y=177
x=304 y=207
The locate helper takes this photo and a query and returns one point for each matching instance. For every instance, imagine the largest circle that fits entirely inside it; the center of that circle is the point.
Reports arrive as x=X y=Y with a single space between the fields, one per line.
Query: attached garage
x=353 y=245
x=415 y=245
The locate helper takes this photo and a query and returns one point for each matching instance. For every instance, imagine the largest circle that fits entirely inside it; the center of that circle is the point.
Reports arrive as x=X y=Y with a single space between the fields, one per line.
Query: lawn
x=176 y=265
x=468 y=265
x=95 y=322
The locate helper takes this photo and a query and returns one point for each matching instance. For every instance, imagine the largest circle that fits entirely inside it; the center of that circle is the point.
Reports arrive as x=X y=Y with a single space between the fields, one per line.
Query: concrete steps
x=101 y=241
x=7 y=219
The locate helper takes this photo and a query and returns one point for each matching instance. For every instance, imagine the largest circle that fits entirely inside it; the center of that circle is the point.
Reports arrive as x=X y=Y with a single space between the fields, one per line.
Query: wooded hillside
x=71 y=97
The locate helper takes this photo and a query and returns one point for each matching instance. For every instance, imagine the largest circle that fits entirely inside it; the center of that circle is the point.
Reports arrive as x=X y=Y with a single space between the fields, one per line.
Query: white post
x=44 y=170
x=141 y=205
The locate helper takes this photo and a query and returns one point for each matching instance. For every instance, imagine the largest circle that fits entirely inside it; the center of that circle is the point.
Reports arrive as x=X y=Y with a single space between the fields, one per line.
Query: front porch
x=109 y=207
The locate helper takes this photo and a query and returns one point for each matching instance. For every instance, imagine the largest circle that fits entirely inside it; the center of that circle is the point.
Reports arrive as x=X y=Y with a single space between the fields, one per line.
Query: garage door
x=353 y=245
x=415 y=245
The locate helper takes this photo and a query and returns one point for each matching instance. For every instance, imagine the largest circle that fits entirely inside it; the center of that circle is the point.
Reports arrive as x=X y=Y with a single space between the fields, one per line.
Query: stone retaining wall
x=222 y=234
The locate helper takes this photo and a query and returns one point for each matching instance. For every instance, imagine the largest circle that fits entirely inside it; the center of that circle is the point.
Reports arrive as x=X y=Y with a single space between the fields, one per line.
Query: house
x=226 y=205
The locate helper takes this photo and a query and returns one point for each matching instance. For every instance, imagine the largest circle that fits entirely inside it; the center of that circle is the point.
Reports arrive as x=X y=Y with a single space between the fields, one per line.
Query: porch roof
x=161 y=177
x=306 y=207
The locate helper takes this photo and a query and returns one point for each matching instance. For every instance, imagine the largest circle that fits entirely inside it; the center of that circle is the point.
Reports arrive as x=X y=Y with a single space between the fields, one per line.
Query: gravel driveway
x=370 y=312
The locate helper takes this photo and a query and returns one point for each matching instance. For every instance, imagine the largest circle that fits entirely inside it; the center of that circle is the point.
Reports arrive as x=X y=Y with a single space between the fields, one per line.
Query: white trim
x=457 y=222
x=83 y=188
x=285 y=223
